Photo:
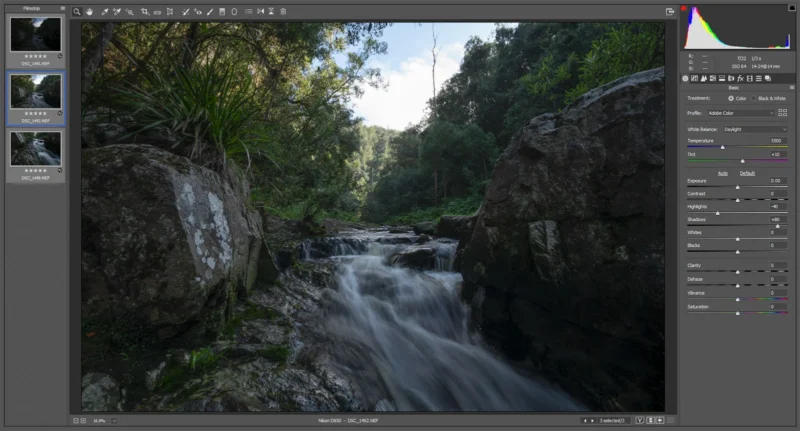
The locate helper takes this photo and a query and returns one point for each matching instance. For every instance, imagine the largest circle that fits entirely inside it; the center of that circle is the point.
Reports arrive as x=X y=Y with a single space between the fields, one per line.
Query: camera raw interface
x=333 y=217
x=400 y=214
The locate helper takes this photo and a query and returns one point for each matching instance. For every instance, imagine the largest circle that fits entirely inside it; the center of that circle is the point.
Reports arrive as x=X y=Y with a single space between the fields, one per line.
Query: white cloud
x=409 y=87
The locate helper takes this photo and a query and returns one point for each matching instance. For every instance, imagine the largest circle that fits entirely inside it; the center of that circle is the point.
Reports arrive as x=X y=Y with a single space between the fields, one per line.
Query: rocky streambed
x=364 y=321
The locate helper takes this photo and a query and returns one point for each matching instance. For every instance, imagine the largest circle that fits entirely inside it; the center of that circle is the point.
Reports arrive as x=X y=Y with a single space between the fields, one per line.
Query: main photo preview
x=368 y=216
x=35 y=108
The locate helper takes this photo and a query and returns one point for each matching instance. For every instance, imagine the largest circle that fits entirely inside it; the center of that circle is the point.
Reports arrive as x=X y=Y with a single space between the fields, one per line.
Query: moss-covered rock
x=100 y=393
x=165 y=243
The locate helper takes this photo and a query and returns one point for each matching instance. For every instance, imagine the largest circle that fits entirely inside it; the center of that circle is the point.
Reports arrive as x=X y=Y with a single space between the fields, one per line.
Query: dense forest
x=270 y=101
x=250 y=243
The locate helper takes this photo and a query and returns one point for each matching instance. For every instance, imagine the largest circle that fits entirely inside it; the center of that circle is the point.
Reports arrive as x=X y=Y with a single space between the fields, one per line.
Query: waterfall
x=403 y=336
x=46 y=157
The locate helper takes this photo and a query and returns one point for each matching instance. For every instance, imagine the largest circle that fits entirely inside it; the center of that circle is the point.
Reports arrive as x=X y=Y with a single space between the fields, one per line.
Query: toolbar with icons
x=176 y=12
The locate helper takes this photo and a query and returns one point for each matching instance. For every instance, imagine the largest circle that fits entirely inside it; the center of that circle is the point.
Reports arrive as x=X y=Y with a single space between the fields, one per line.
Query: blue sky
x=37 y=22
x=406 y=68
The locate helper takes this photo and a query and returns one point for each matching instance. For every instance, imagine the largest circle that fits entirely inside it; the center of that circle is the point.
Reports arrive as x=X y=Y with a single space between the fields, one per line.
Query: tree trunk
x=93 y=57
x=436 y=187
x=433 y=74
x=444 y=186
x=146 y=60
x=190 y=45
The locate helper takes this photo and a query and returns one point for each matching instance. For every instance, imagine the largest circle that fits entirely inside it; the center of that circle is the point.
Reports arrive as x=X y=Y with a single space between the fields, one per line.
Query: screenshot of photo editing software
x=399 y=215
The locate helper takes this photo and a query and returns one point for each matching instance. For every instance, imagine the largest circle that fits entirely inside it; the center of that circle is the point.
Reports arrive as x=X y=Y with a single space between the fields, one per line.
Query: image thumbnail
x=35 y=148
x=35 y=91
x=36 y=34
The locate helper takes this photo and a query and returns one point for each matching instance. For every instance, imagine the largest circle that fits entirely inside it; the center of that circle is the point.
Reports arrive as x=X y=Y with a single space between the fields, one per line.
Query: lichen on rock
x=164 y=242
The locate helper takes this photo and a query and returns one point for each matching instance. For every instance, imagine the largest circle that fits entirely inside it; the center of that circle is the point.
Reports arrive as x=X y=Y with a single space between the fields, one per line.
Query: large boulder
x=459 y=228
x=166 y=245
x=426 y=227
x=423 y=258
x=22 y=152
x=455 y=227
x=100 y=393
x=18 y=94
x=565 y=266
x=277 y=386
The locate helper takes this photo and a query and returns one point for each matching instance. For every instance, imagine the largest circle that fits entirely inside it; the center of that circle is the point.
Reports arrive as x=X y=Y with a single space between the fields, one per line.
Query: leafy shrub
x=206 y=114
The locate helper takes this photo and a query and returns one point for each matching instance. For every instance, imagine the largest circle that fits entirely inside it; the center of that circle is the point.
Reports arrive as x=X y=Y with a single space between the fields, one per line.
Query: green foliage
x=178 y=375
x=268 y=100
x=208 y=115
x=21 y=84
x=525 y=71
x=251 y=312
x=445 y=161
x=202 y=359
x=272 y=101
x=461 y=206
x=255 y=312
x=549 y=76
x=622 y=49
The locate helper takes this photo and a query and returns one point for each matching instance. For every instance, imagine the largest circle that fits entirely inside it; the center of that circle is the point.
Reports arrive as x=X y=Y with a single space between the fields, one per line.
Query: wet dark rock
x=564 y=267
x=458 y=228
x=100 y=393
x=427 y=227
x=423 y=258
x=258 y=384
x=401 y=229
x=166 y=245
x=395 y=240
x=153 y=376
x=455 y=227
x=18 y=94
x=318 y=248
x=268 y=269
x=422 y=239
x=101 y=134
x=102 y=126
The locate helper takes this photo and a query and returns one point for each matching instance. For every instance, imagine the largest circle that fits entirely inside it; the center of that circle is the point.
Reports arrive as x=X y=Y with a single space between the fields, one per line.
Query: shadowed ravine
x=403 y=337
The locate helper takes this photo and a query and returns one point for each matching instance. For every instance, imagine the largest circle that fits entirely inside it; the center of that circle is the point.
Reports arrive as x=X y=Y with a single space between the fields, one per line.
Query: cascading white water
x=403 y=337
x=45 y=156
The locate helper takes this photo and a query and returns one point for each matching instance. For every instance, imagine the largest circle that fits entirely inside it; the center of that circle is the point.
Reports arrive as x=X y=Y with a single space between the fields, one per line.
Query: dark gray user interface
x=716 y=233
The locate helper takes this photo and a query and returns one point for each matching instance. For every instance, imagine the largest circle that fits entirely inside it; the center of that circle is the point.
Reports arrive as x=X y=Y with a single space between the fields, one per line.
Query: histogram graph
x=734 y=27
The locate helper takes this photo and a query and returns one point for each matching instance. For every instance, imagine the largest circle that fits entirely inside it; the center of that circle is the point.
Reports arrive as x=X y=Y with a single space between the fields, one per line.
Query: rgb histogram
x=700 y=35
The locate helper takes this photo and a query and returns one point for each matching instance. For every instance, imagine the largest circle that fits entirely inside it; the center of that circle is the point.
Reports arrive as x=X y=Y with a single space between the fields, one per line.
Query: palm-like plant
x=207 y=113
